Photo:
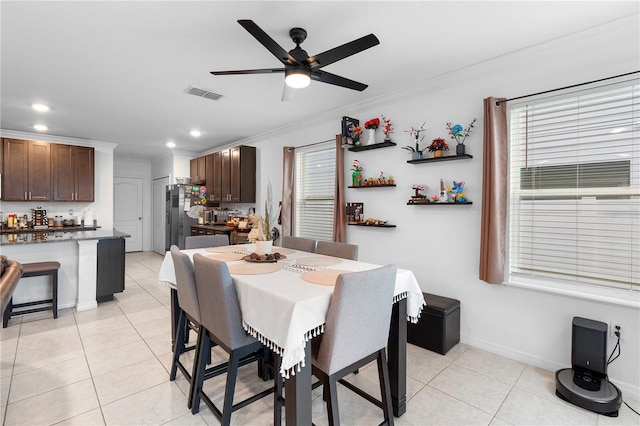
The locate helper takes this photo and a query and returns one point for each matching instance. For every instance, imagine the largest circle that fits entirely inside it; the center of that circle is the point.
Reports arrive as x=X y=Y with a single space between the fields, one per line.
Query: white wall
x=441 y=244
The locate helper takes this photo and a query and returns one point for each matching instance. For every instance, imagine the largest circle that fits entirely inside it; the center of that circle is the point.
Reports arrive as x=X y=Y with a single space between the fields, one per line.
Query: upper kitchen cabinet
x=198 y=169
x=27 y=170
x=238 y=178
x=73 y=176
x=214 y=177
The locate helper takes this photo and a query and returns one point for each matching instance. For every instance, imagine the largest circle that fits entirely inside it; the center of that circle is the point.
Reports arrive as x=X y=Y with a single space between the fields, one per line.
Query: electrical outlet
x=612 y=330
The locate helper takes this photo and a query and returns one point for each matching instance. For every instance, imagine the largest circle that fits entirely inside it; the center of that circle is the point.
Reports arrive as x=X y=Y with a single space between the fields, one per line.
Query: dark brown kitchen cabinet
x=110 y=268
x=214 y=176
x=198 y=169
x=72 y=173
x=27 y=170
x=239 y=174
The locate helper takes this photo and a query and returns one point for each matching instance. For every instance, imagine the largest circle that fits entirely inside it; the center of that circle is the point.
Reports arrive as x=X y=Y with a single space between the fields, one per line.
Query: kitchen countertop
x=222 y=228
x=59 y=235
x=18 y=230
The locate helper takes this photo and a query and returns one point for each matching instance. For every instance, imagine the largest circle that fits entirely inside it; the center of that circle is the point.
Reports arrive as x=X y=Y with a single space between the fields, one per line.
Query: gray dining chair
x=203 y=241
x=189 y=312
x=222 y=325
x=298 y=243
x=342 y=250
x=356 y=333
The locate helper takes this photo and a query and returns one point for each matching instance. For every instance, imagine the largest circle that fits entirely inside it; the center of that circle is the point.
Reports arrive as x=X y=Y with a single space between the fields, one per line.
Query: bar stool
x=37 y=269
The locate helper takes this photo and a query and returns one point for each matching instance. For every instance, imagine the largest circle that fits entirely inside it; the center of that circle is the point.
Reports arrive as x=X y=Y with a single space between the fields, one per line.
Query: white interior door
x=127 y=216
x=159 y=215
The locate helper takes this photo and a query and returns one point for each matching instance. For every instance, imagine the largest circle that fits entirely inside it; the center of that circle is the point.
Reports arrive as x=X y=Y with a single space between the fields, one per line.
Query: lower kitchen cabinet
x=110 y=278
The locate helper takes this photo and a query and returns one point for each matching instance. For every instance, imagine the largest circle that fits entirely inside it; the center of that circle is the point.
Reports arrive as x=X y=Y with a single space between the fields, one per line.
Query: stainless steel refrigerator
x=178 y=222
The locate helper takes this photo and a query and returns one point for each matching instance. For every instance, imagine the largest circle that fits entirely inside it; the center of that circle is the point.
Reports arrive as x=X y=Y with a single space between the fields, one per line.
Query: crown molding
x=64 y=140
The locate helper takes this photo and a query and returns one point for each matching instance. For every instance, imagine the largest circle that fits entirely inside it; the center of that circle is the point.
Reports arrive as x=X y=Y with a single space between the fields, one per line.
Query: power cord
x=612 y=358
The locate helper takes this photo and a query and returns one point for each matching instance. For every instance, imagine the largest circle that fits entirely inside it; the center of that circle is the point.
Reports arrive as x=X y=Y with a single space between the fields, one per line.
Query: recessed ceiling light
x=171 y=144
x=195 y=133
x=40 y=127
x=40 y=107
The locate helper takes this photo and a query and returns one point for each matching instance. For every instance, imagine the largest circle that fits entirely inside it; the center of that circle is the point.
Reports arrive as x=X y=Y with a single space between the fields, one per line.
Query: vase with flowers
x=261 y=234
x=387 y=129
x=416 y=154
x=459 y=134
x=372 y=125
x=356 y=173
x=438 y=145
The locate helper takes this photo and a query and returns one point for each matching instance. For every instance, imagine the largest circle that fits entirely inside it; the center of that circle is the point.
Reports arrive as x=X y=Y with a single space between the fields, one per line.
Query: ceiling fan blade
x=288 y=93
x=260 y=71
x=329 y=78
x=264 y=39
x=341 y=52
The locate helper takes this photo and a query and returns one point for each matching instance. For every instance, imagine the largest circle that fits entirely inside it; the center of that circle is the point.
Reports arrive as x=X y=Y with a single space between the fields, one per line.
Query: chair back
x=186 y=283
x=342 y=250
x=298 y=243
x=219 y=307
x=10 y=273
x=358 y=318
x=203 y=241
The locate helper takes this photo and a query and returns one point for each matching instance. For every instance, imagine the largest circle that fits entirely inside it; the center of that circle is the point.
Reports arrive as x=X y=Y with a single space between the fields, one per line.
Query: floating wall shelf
x=386 y=225
x=445 y=158
x=371 y=186
x=438 y=204
x=374 y=146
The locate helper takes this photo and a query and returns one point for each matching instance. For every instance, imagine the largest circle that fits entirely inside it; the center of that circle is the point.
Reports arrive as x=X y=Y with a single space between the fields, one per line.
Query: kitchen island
x=92 y=264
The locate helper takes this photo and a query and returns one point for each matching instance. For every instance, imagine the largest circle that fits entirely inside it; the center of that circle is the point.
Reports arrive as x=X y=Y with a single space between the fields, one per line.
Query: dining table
x=284 y=304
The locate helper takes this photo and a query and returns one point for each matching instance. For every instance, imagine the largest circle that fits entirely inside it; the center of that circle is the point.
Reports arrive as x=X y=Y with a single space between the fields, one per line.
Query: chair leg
x=385 y=388
x=230 y=388
x=199 y=366
x=55 y=294
x=332 y=402
x=277 y=393
x=178 y=345
x=6 y=315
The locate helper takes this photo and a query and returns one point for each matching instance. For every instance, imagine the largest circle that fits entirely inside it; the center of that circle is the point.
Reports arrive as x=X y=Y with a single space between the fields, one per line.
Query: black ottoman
x=438 y=328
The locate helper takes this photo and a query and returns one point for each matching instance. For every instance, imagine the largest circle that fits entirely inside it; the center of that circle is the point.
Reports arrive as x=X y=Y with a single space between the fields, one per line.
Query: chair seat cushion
x=32 y=268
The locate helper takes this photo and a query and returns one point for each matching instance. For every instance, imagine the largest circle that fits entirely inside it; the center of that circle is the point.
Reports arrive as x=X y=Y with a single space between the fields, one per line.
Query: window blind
x=315 y=186
x=574 y=190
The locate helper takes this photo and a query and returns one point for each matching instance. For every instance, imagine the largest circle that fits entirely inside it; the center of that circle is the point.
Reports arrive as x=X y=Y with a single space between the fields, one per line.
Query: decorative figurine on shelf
x=438 y=145
x=351 y=131
x=382 y=179
x=372 y=125
x=387 y=129
x=459 y=134
x=418 y=188
x=416 y=154
x=443 y=197
x=356 y=173
x=458 y=192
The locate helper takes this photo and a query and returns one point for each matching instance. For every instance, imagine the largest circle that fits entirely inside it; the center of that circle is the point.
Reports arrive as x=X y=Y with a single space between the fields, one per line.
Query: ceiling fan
x=300 y=68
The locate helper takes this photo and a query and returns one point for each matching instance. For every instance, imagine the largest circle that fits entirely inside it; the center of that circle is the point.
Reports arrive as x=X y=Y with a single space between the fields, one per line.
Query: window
x=574 y=209
x=315 y=188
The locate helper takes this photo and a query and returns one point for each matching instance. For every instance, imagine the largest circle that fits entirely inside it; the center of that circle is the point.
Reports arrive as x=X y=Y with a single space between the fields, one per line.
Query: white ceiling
x=117 y=71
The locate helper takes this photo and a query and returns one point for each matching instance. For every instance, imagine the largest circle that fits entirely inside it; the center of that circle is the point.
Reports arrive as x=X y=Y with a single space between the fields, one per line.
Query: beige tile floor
x=110 y=366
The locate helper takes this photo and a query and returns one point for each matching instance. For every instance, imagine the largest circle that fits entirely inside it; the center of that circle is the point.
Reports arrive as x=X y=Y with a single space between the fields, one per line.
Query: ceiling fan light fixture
x=297 y=78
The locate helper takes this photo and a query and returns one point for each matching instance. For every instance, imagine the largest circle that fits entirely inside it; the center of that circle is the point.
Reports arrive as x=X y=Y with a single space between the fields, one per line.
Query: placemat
x=318 y=261
x=323 y=276
x=282 y=250
x=249 y=268
x=223 y=249
x=226 y=257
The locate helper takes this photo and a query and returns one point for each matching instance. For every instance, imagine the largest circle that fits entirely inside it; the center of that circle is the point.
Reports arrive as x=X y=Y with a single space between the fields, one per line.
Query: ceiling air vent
x=203 y=93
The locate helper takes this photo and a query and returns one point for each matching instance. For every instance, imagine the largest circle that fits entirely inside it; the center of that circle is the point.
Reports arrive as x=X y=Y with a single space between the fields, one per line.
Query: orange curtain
x=288 y=189
x=494 y=191
x=340 y=222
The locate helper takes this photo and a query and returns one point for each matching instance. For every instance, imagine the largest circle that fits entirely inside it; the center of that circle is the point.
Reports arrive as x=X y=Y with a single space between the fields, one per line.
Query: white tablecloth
x=283 y=311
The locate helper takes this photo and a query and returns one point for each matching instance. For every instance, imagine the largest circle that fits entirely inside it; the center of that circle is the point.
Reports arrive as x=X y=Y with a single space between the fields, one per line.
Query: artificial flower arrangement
x=415 y=134
x=261 y=230
x=387 y=129
x=374 y=123
x=356 y=174
x=458 y=133
x=438 y=144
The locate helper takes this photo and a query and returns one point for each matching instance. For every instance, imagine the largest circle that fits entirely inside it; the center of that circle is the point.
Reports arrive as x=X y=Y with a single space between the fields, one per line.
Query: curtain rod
x=567 y=87
x=310 y=144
